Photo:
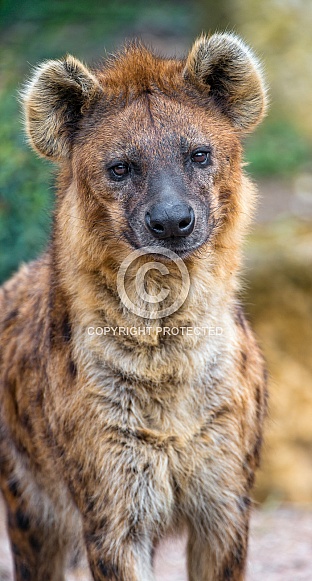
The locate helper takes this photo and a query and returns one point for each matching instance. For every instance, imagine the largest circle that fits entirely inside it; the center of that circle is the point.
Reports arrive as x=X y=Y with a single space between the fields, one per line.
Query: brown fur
x=123 y=439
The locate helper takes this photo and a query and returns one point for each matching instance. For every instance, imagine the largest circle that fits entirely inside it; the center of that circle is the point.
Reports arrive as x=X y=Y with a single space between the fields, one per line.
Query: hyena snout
x=170 y=220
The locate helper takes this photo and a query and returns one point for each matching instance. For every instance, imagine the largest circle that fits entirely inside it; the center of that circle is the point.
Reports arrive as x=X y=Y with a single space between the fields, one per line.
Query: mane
x=136 y=70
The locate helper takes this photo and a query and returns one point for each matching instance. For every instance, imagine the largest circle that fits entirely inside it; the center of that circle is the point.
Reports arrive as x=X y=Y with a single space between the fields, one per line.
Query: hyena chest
x=172 y=443
x=180 y=449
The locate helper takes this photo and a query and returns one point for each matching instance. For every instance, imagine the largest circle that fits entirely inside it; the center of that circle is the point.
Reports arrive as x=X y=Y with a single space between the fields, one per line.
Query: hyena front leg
x=37 y=549
x=208 y=562
x=122 y=512
x=203 y=565
x=118 y=546
x=130 y=561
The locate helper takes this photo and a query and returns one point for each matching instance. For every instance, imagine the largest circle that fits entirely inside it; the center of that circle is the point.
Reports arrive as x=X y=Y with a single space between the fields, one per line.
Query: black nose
x=165 y=220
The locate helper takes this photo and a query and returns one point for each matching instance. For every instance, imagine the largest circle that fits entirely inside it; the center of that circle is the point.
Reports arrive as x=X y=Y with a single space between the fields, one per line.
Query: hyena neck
x=176 y=350
x=96 y=302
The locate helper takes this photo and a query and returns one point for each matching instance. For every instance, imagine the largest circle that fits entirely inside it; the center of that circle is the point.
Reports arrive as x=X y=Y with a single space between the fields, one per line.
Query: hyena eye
x=200 y=156
x=119 y=170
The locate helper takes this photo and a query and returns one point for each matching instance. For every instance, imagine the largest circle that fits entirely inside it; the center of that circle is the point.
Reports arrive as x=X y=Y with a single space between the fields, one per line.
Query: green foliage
x=25 y=198
x=277 y=149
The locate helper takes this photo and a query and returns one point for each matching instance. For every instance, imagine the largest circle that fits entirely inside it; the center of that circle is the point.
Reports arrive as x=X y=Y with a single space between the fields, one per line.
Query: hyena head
x=149 y=147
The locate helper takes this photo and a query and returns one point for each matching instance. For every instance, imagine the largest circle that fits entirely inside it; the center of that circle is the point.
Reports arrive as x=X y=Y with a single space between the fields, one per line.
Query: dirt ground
x=280 y=550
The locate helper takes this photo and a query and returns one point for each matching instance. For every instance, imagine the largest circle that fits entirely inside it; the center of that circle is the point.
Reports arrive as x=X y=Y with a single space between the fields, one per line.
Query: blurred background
x=278 y=273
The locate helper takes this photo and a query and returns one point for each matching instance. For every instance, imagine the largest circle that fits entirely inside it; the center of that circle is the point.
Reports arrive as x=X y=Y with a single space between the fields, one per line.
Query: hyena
x=116 y=438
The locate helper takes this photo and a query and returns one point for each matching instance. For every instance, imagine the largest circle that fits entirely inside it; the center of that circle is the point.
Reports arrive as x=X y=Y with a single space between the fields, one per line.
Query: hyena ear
x=54 y=100
x=225 y=69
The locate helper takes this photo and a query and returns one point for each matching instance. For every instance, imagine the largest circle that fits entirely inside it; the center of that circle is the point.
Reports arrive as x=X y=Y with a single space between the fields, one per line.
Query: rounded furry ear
x=226 y=69
x=54 y=100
